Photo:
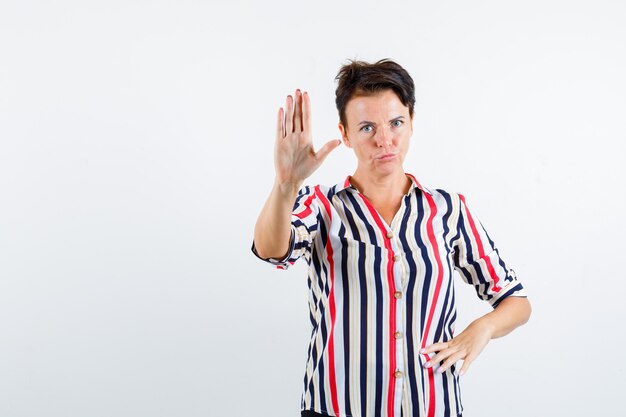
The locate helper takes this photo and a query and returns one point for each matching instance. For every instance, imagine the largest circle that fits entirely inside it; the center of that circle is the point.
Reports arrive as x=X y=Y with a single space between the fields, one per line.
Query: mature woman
x=381 y=250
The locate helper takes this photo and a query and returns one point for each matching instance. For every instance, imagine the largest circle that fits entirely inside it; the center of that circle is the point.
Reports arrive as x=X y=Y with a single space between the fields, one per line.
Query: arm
x=273 y=226
x=511 y=313
x=294 y=161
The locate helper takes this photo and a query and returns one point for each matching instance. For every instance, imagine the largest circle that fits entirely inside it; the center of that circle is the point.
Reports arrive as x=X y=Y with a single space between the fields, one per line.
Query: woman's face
x=378 y=130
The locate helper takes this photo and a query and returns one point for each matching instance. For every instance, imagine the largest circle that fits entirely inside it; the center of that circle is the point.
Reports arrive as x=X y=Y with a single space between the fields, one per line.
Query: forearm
x=273 y=227
x=511 y=313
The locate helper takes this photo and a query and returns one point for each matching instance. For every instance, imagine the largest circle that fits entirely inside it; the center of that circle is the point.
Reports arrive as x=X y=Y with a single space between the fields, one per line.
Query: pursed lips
x=385 y=156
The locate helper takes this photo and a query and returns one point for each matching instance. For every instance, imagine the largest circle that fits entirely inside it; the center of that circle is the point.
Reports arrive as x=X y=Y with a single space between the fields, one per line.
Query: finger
x=289 y=115
x=439 y=357
x=280 y=125
x=297 y=117
x=445 y=349
x=435 y=347
x=326 y=149
x=306 y=112
x=465 y=367
x=451 y=361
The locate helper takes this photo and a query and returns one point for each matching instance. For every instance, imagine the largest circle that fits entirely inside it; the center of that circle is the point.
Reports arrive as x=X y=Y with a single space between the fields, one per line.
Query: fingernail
x=440 y=370
x=422 y=350
x=462 y=372
x=427 y=365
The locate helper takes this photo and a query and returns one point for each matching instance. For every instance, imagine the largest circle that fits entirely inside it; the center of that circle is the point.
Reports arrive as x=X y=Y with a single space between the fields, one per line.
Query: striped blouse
x=380 y=292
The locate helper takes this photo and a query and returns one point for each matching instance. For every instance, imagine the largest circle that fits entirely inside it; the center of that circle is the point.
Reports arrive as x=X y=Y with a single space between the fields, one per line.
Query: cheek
x=403 y=144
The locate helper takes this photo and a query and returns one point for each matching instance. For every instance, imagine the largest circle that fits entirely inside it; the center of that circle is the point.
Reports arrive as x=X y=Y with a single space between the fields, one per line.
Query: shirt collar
x=414 y=183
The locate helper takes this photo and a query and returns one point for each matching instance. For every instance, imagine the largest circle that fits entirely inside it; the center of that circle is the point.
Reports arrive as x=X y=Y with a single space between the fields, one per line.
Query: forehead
x=382 y=104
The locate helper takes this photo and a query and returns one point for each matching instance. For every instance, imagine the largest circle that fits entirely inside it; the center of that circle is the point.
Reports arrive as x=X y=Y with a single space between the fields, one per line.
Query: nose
x=383 y=137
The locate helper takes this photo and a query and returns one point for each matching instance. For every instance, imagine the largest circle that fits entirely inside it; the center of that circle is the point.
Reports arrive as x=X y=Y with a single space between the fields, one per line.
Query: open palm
x=295 y=158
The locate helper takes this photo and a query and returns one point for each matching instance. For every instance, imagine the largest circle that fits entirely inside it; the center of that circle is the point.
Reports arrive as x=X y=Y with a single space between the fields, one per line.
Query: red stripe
x=431 y=313
x=307 y=205
x=481 y=250
x=331 y=302
x=392 y=305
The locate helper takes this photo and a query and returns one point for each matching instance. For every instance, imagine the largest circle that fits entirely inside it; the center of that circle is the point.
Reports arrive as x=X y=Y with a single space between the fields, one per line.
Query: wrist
x=287 y=188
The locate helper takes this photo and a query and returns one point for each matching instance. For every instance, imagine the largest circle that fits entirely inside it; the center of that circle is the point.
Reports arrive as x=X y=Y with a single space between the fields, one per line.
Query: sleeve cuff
x=514 y=289
x=279 y=263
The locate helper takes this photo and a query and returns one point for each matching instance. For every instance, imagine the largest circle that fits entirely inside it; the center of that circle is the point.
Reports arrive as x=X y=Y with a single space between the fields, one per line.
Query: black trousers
x=309 y=413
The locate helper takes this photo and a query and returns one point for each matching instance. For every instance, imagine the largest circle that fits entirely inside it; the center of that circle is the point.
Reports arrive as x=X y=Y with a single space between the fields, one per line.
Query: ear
x=344 y=135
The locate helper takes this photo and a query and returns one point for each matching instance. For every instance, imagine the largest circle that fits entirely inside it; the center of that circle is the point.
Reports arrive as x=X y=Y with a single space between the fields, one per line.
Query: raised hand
x=295 y=158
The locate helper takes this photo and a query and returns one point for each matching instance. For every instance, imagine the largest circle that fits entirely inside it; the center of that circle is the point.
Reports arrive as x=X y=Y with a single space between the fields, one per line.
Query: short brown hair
x=360 y=78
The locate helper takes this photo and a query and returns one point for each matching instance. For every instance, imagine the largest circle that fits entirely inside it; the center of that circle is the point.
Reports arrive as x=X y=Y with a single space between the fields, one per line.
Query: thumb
x=327 y=148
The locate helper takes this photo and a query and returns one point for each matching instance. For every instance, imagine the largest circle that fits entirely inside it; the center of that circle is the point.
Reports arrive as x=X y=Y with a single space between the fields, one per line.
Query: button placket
x=396 y=260
x=397 y=334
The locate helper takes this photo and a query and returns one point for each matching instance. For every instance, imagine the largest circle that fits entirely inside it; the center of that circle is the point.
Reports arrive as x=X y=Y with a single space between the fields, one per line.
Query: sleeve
x=478 y=260
x=304 y=218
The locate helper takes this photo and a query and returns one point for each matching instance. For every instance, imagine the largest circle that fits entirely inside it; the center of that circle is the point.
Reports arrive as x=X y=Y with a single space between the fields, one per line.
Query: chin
x=388 y=168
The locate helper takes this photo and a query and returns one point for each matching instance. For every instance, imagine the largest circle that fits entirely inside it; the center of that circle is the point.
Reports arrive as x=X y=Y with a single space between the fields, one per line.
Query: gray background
x=136 y=151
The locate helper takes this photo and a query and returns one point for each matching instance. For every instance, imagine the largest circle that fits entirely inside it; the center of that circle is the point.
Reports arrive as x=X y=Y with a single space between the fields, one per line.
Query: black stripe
x=451 y=316
x=441 y=322
x=353 y=228
x=370 y=229
x=311 y=387
x=303 y=194
x=446 y=395
x=363 y=276
x=509 y=273
x=346 y=320
x=379 y=343
x=517 y=287
x=457 y=395
x=322 y=404
x=412 y=279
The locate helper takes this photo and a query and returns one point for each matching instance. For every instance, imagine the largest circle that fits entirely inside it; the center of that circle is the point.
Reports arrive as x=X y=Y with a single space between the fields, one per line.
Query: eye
x=397 y=123
x=367 y=128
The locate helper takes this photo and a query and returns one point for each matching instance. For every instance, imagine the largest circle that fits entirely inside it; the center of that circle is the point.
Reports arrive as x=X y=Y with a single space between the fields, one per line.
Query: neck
x=381 y=187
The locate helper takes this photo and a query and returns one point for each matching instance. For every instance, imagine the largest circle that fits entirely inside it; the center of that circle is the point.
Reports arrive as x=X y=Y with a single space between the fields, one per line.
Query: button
x=398 y=335
x=389 y=234
x=398 y=374
x=398 y=294
x=396 y=258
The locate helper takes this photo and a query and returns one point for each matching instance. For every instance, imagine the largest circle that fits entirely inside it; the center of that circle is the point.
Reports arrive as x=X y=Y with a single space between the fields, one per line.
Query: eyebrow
x=365 y=122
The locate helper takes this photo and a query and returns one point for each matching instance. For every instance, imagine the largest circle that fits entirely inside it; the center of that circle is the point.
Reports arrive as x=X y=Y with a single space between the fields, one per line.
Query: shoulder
x=320 y=191
x=436 y=194
x=447 y=203
x=439 y=192
x=444 y=196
